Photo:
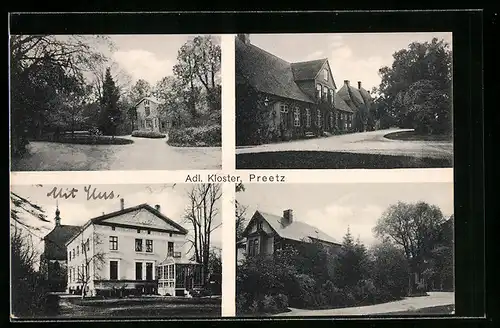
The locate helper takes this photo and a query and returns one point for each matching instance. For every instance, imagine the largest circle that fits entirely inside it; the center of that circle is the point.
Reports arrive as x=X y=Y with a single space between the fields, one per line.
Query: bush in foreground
x=148 y=134
x=203 y=136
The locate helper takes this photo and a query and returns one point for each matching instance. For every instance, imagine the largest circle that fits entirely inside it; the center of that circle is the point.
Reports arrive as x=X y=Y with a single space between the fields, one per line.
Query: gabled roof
x=367 y=98
x=56 y=240
x=340 y=104
x=297 y=230
x=307 y=70
x=266 y=72
x=101 y=218
x=346 y=91
x=152 y=99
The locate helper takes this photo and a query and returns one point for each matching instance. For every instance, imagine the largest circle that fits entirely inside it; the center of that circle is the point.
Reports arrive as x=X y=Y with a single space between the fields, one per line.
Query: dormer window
x=325 y=74
x=318 y=91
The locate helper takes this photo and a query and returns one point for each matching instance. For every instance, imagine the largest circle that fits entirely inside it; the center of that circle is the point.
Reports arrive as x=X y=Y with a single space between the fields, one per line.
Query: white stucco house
x=134 y=250
x=149 y=117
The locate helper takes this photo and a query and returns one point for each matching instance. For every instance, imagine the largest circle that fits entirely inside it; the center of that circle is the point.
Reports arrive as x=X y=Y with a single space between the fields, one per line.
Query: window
x=69 y=255
x=149 y=246
x=113 y=243
x=138 y=230
x=308 y=117
x=170 y=249
x=318 y=91
x=319 y=118
x=138 y=245
x=88 y=244
x=253 y=247
x=332 y=97
x=77 y=250
x=296 y=117
x=113 y=270
x=149 y=232
x=146 y=102
x=325 y=74
x=332 y=120
x=325 y=92
x=147 y=111
x=259 y=225
x=138 y=271
x=69 y=274
x=113 y=228
x=73 y=253
x=284 y=108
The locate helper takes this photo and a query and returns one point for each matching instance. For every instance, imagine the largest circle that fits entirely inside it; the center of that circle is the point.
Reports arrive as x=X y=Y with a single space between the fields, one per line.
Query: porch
x=176 y=276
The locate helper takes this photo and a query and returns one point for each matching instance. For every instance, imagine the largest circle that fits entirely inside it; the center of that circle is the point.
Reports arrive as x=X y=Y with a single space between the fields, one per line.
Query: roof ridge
x=264 y=50
x=309 y=61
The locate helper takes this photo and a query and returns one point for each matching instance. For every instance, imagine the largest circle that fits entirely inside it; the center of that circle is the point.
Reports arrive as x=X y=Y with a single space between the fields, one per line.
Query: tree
x=240 y=211
x=110 y=113
x=27 y=284
x=201 y=214
x=139 y=90
x=93 y=261
x=352 y=263
x=389 y=270
x=207 y=55
x=41 y=67
x=414 y=227
x=428 y=61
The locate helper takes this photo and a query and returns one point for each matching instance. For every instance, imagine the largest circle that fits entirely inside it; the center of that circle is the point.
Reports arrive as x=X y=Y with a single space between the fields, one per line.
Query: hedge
x=85 y=139
x=148 y=134
x=203 y=136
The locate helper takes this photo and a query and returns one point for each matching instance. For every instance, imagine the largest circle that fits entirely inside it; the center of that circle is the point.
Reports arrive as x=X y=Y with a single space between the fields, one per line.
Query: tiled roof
x=340 y=104
x=307 y=70
x=266 y=72
x=367 y=98
x=297 y=230
x=346 y=91
x=55 y=241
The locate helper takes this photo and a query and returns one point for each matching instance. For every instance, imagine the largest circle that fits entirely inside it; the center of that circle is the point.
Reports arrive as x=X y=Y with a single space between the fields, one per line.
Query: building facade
x=53 y=260
x=266 y=233
x=149 y=117
x=125 y=252
x=277 y=100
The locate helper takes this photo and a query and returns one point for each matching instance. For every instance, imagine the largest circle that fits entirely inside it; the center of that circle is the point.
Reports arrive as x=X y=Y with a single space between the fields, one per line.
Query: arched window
x=308 y=117
x=296 y=117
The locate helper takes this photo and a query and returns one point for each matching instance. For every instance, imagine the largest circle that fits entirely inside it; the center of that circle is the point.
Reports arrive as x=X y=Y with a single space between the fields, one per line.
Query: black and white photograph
x=115 y=102
x=343 y=100
x=344 y=249
x=115 y=251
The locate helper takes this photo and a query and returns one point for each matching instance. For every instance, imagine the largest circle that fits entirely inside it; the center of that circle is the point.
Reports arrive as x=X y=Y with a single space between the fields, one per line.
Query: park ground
x=73 y=307
x=142 y=154
x=431 y=304
x=354 y=150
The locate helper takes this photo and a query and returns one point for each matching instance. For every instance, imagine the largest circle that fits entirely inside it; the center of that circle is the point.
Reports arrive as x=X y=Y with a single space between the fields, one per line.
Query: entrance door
x=149 y=271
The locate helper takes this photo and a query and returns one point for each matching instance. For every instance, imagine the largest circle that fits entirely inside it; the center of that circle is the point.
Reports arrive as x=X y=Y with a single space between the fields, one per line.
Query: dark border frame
x=467 y=29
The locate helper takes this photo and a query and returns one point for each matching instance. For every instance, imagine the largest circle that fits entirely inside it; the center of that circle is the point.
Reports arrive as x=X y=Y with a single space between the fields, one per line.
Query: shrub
x=148 y=134
x=202 y=136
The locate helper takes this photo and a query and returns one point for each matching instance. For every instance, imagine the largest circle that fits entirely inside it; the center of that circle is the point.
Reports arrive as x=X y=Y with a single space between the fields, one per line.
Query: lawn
x=413 y=136
x=334 y=160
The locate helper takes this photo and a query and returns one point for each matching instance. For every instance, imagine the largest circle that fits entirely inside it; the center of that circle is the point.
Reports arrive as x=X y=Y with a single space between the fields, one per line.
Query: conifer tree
x=110 y=113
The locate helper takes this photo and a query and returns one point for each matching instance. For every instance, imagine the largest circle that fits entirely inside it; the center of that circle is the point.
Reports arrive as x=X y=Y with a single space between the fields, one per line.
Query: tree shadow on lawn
x=334 y=160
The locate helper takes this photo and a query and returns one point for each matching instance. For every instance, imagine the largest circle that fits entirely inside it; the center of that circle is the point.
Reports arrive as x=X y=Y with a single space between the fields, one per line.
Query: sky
x=334 y=208
x=147 y=57
x=172 y=199
x=352 y=56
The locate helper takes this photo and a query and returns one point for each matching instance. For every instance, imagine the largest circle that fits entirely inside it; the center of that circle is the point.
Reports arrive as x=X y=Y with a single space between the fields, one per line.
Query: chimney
x=157 y=206
x=245 y=38
x=346 y=82
x=287 y=217
x=359 y=84
x=122 y=204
